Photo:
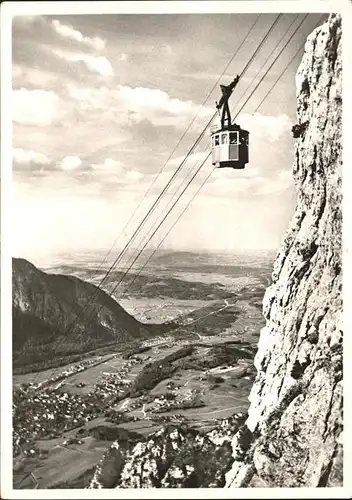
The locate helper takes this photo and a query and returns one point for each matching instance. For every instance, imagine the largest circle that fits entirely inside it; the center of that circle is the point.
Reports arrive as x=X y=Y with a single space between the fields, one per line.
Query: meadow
x=198 y=372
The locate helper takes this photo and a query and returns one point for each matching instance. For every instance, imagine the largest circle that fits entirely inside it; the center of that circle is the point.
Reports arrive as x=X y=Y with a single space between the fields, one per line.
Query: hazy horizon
x=100 y=102
x=98 y=257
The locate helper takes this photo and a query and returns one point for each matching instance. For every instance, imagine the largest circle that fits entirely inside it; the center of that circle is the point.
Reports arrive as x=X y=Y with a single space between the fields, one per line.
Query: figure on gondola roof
x=229 y=143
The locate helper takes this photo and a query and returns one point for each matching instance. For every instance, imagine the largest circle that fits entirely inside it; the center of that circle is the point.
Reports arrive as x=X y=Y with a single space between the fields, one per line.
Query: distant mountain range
x=56 y=315
x=188 y=259
x=101 y=260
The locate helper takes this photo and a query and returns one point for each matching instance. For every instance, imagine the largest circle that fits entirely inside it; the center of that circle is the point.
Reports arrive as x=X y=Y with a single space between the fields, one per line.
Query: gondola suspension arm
x=224 y=102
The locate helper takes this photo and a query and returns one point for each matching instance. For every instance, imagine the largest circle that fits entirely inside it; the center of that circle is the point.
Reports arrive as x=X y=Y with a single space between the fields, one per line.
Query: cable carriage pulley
x=229 y=144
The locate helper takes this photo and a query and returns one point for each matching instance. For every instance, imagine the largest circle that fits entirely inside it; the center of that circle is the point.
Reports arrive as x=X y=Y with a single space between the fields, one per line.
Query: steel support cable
x=181 y=194
x=115 y=287
x=266 y=60
x=255 y=53
x=135 y=276
x=285 y=69
x=247 y=66
x=192 y=178
x=174 y=175
x=197 y=171
x=226 y=67
x=94 y=295
x=278 y=78
x=197 y=320
x=206 y=179
x=272 y=64
x=201 y=136
x=183 y=135
x=175 y=148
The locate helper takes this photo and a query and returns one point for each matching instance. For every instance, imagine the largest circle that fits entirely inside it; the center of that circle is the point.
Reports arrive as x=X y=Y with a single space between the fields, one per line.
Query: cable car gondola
x=229 y=144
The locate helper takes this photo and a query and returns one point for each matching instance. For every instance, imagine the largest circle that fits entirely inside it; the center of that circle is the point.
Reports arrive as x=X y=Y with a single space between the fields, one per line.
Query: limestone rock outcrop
x=295 y=417
x=176 y=456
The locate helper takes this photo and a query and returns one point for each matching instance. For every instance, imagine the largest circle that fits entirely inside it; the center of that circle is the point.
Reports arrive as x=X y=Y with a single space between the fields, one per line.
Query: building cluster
x=130 y=405
x=68 y=372
x=174 y=401
x=175 y=418
x=113 y=383
x=157 y=341
x=47 y=412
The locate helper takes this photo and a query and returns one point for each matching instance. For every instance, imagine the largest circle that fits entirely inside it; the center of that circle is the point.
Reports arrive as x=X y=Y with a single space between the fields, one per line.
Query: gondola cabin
x=229 y=143
x=230 y=147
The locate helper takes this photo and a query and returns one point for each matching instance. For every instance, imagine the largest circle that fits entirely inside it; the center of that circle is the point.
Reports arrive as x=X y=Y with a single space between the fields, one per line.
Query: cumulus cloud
x=85 y=180
x=35 y=107
x=97 y=64
x=108 y=168
x=71 y=163
x=194 y=159
x=258 y=177
x=69 y=32
x=115 y=170
x=133 y=105
x=142 y=101
x=167 y=49
x=134 y=176
x=23 y=76
x=270 y=127
x=28 y=157
x=228 y=183
x=24 y=20
x=17 y=72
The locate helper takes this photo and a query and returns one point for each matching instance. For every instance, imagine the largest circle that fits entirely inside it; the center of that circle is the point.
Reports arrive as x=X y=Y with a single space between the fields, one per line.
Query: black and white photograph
x=172 y=249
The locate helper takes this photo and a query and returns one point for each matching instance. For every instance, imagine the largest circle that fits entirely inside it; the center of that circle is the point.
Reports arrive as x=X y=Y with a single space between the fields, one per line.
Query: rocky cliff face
x=292 y=435
x=295 y=416
x=51 y=318
x=177 y=456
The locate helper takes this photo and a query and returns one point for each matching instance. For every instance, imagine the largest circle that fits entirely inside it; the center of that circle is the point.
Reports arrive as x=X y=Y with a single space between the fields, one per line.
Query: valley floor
x=198 y=374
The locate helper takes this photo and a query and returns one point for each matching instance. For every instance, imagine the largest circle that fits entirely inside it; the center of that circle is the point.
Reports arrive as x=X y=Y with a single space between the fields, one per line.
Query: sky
x=99 y=104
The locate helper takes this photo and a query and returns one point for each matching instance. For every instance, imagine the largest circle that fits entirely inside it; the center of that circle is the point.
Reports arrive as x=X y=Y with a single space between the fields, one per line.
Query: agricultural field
x=197 y=373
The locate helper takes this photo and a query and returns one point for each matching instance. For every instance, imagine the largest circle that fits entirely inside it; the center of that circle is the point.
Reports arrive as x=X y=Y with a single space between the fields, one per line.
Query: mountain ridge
x=53 y=310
